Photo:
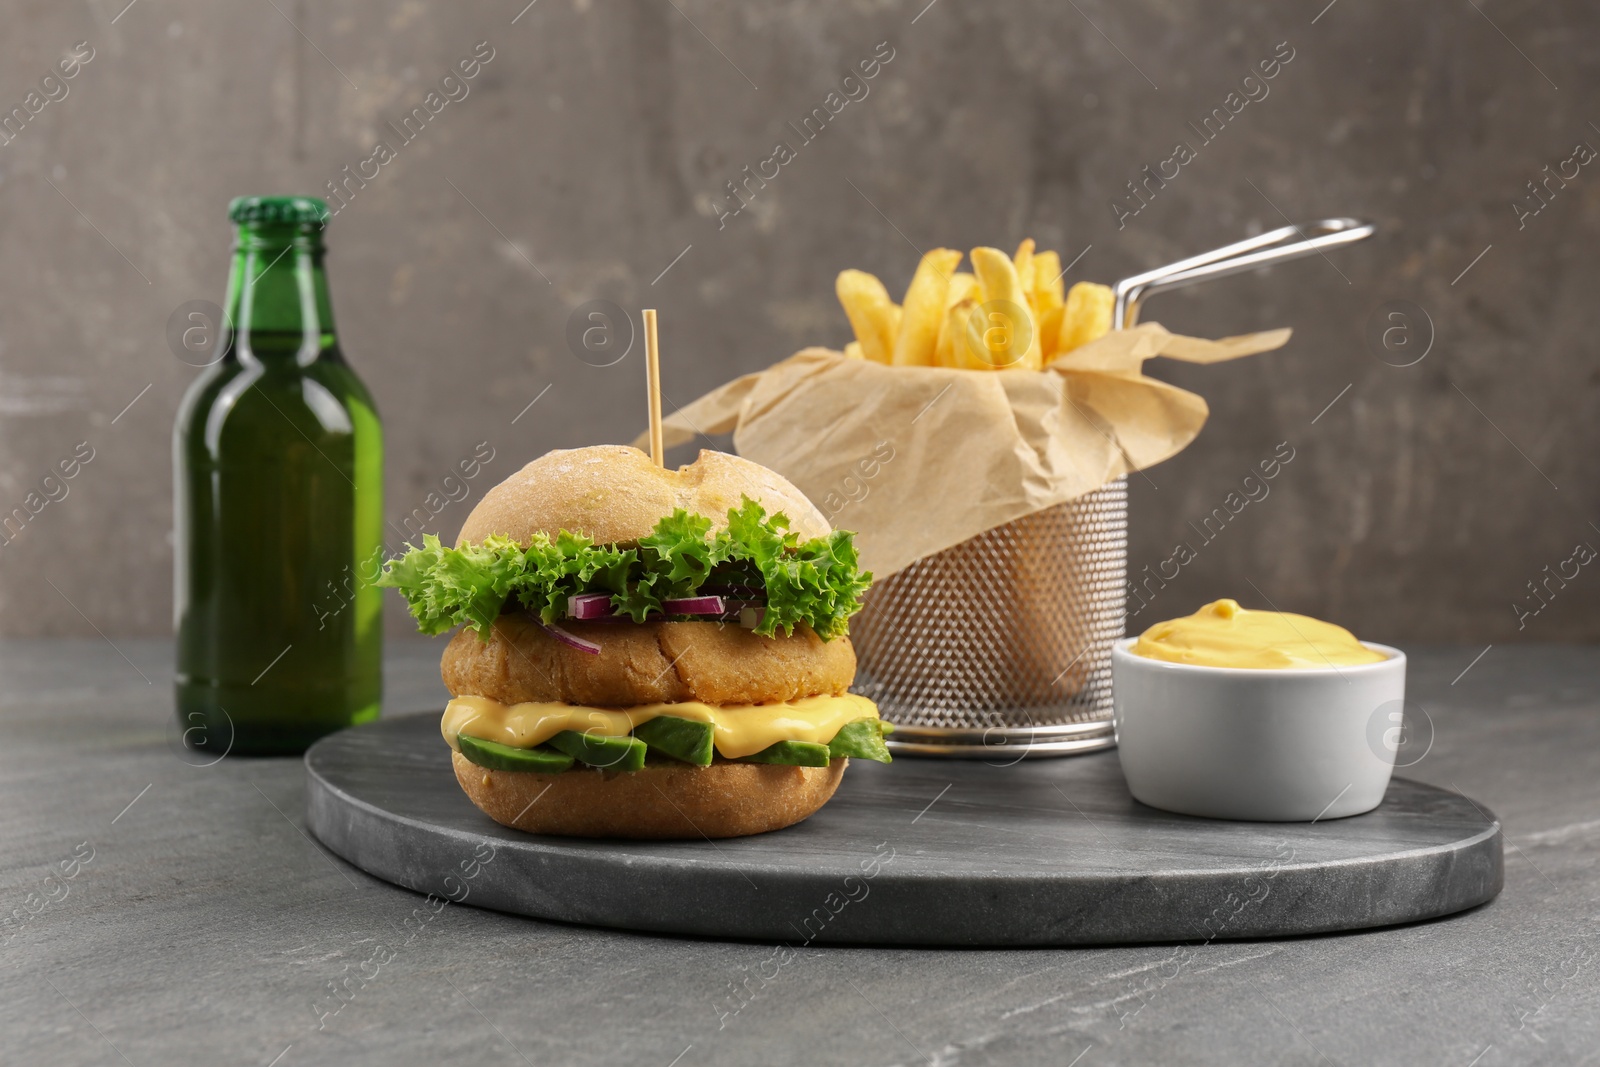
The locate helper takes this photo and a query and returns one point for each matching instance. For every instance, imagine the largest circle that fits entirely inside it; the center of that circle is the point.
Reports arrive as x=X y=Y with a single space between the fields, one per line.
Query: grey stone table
x=164 y=913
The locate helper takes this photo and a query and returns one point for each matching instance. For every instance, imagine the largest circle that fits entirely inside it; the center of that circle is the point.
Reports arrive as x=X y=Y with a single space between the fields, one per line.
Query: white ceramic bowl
x=1261 y=745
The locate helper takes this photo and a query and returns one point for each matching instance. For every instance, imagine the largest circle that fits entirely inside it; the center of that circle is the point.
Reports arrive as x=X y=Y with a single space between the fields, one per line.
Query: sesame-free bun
x=616 y=495
x=664 y=800
x=645 y=663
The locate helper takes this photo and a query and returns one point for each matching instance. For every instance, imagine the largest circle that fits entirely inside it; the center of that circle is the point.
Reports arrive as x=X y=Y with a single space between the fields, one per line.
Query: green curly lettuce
x=818 y=582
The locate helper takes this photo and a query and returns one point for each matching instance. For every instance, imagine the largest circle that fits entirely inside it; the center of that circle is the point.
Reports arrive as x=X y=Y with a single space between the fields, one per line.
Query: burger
x=644 y=652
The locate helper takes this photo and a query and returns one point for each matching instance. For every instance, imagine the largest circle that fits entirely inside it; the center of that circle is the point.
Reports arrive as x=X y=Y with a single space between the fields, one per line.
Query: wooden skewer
x=652 y=351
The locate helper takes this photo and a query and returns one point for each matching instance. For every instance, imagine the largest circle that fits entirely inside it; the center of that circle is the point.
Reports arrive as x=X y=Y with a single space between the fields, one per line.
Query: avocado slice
x=861 y=739
x=498 y=757
x=792 y=753
x=682 y=739
x=606 y=753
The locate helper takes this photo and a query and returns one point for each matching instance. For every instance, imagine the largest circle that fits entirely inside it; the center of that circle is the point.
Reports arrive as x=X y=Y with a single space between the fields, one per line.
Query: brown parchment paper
x=917 y=459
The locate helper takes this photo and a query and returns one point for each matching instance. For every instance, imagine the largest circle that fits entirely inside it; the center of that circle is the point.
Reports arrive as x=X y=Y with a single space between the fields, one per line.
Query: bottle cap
x=307 y=210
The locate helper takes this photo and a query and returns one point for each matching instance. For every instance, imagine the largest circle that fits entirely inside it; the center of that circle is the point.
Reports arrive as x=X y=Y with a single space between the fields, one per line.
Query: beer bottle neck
x=278 y=305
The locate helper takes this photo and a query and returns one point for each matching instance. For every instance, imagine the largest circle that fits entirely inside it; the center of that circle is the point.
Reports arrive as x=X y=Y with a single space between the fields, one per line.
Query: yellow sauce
x=738 y=730
x=1222 y=634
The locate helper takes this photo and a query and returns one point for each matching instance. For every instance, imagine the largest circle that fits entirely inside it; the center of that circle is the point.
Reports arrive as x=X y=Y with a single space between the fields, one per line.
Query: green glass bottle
x=278 y=480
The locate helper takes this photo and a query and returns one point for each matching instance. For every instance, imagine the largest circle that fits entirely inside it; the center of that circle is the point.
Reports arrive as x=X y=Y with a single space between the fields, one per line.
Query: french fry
x=867 y=305
x=947 y=352
x=1048 y=302
x=923 y=311
x=1010 y=311
x=964 y=294
x=1087 y=316
x=1050 y=334
x=1047 y=288
x=961 y=339
x=1023 y=261
x=1006 y=341
x=944 y=351
x=962 y=286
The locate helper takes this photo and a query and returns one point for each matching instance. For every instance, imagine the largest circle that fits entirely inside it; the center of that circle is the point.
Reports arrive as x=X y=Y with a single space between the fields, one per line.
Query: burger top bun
x=616 y=495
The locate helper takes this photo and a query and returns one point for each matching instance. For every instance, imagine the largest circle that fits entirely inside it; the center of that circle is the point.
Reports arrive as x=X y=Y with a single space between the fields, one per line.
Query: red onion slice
x=695 y=605
x=588 y=605
x=571 y=639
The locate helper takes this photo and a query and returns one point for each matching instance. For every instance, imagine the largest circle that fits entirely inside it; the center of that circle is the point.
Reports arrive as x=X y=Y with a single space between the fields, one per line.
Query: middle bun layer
x=645 y=663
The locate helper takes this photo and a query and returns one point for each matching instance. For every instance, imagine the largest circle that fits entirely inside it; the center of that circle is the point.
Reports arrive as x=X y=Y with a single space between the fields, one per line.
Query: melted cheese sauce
x=1222 y=634
x=738 y=730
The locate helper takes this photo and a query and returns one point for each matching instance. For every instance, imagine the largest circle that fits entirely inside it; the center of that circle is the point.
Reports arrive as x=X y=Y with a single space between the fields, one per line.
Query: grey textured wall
x=592 y=152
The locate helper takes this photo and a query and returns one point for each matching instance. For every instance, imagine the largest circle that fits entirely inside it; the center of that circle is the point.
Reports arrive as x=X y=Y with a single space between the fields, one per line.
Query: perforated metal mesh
x=1012 y=628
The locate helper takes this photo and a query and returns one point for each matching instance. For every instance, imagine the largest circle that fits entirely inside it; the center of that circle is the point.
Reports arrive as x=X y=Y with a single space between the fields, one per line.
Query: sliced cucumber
x=682 y=739
x=606 y=753
x=792 y=753
x=685 y=740
x=498 y=757
x=861 y=739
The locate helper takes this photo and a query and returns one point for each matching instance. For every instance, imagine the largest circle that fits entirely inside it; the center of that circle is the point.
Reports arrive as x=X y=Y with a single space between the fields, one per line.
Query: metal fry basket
x=1000 y=646
x=1004 y=639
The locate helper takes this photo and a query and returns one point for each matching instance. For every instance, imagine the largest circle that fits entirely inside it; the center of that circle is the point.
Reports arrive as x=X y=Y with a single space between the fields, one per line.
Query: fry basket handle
x=1274 y=246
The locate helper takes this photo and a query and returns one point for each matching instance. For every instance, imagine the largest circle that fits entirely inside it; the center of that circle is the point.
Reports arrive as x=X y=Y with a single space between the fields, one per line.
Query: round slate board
x=1045 y=852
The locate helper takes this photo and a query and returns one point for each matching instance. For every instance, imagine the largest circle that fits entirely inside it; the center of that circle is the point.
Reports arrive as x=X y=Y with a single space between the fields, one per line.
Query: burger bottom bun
x=662 y=801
